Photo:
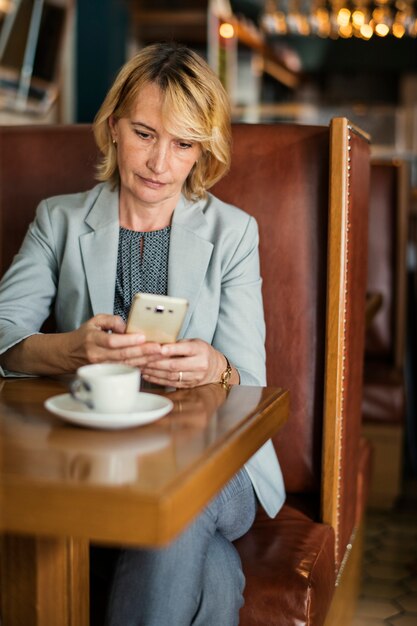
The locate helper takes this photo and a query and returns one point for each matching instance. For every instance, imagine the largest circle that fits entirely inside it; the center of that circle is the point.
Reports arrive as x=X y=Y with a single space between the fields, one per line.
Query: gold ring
x=180 y=377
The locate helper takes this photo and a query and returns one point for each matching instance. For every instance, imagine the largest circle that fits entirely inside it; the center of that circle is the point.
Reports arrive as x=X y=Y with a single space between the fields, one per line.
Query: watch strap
x=226 y=374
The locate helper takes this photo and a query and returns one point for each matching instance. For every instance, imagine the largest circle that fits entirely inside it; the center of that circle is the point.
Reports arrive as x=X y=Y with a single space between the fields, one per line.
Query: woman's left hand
x=186 y=363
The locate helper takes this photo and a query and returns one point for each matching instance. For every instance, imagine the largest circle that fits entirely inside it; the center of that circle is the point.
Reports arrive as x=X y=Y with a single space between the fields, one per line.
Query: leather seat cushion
x=289 y=568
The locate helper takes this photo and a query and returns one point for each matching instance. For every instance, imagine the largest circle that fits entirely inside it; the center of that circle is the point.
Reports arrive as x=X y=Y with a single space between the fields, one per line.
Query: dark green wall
x=102 y=33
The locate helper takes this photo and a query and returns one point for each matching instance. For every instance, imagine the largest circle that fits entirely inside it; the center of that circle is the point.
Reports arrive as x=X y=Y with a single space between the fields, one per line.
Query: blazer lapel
x=99 y=250
x=189 y=254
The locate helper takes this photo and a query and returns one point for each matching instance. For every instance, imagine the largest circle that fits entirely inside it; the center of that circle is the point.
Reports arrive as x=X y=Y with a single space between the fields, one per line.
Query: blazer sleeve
x=28 y=288
x=240 y=330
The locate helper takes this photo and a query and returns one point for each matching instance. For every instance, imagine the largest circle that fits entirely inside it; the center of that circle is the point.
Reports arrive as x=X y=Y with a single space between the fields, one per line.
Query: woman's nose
x=157 y=160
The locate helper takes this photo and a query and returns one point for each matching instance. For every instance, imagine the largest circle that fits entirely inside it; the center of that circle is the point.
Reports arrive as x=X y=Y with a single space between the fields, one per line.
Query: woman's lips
x=155 y=184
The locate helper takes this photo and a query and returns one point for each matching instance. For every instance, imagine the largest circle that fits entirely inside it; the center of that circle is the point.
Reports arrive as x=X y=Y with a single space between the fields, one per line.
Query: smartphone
x=159 y=317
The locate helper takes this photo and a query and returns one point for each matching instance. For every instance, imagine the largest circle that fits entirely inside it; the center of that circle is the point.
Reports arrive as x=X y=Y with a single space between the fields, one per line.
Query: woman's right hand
x=103 y=338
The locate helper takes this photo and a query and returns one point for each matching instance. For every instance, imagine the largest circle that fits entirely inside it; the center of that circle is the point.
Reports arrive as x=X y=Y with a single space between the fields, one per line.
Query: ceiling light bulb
x=382 y=30
x=358 y=18
x=343 y=17
x=226 y=30
x=366 y=31
x=345 y=31
x=398 y=30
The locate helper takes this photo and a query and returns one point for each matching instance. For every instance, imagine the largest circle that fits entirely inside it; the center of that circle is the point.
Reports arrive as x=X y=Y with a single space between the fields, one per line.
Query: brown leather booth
x=308 y=188
x=384 y=402
x=37 y=162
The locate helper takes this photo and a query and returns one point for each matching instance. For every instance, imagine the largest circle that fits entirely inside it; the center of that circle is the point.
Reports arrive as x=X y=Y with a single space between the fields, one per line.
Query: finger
x=180 y=348
x=166 y=380
x=176 y=379
x=175 y=365
x=119 y=348
x=139 y=353
x=158 y=373
x=104 y=321
x=116 y=341
x=142 y=361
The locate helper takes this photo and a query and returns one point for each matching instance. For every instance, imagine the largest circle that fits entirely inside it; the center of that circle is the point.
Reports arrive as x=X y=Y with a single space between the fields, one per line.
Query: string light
x=398 y=30
x=6 y=6
x=382 y=30
x=341 y=18
x=226 y=30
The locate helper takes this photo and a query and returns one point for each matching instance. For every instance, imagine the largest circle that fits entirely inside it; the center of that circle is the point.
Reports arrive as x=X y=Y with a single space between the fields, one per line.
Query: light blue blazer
x=68 y=261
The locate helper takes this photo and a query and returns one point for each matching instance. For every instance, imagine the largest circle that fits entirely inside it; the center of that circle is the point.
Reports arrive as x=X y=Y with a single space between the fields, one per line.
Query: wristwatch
x=226 y=375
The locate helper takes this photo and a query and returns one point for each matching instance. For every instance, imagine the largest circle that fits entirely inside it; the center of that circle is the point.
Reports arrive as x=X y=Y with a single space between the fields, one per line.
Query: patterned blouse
x=142 y=266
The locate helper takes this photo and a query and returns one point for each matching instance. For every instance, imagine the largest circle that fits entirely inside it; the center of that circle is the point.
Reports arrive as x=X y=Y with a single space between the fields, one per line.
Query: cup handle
x=79 y=391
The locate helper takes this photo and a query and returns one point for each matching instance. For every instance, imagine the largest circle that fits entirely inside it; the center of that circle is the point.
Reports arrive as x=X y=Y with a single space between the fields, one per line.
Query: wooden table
x=63 y=486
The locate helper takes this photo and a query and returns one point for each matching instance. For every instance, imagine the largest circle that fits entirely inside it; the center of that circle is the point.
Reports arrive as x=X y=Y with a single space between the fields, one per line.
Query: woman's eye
x=142 y=134
x=185 y=145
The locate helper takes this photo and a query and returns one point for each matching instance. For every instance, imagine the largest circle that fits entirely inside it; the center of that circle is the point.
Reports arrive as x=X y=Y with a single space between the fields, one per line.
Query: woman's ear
x=112 y=126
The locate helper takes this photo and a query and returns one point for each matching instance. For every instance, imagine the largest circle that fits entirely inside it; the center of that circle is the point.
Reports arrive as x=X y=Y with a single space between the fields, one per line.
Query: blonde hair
x=195 y=107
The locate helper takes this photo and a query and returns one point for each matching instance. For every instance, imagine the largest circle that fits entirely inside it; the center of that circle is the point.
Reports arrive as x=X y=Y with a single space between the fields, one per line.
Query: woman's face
x=153 y=164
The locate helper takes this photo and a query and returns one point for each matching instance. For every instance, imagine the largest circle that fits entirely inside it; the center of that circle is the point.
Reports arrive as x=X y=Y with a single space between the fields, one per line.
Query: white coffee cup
x=107 y=387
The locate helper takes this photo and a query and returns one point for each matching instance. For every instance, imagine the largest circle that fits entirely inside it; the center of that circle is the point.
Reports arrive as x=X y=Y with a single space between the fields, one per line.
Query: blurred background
x=292 y=60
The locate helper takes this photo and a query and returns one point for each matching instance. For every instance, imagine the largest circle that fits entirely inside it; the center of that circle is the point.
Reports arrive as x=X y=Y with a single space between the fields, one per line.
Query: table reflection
x=46 y=448
x=104 y=457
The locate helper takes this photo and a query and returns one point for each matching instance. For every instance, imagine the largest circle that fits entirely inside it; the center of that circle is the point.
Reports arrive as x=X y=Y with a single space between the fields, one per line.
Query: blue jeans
x=197 y=579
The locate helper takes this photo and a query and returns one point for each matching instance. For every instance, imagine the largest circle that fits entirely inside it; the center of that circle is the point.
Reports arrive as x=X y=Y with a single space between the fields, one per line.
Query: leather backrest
x=280 y=174
x=387 y=252
x=37 y=162
x=308 y=188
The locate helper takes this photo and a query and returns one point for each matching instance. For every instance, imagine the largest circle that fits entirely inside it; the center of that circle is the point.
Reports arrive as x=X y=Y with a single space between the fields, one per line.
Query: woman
x=150 y=225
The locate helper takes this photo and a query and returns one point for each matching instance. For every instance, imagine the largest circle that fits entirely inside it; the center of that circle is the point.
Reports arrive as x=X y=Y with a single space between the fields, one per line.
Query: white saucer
x=149 y=407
